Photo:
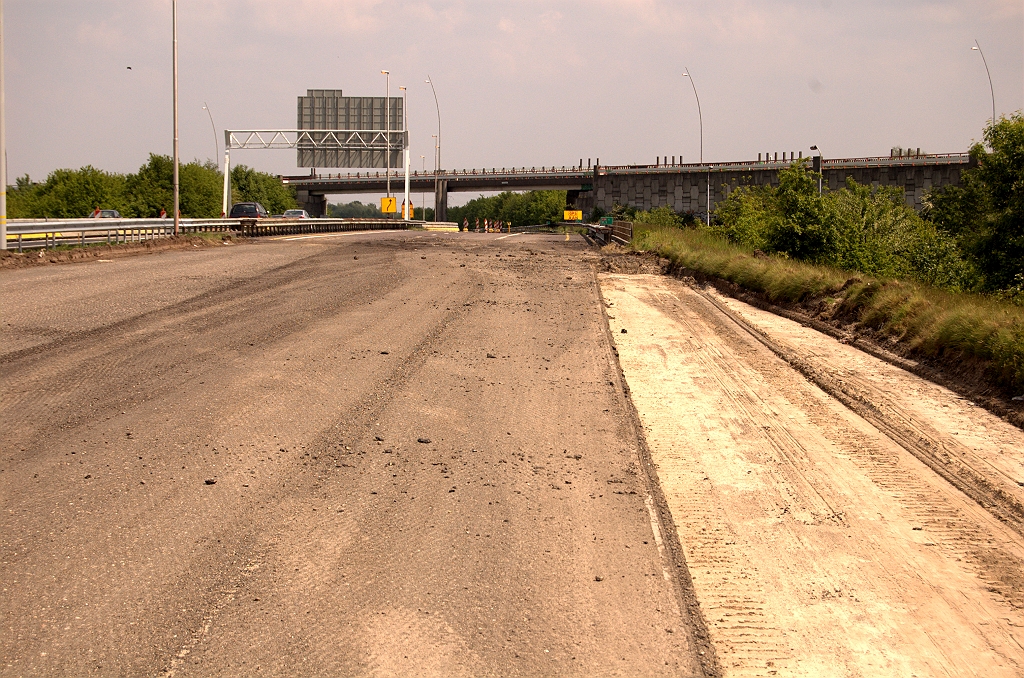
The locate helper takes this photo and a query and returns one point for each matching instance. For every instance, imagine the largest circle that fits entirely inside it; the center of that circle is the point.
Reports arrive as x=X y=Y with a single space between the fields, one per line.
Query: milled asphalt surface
x=388 y=454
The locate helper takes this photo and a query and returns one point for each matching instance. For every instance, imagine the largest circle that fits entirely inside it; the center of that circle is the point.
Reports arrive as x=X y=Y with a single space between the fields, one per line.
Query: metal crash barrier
x=620 y=232
x=254 y=228
x=48 y=233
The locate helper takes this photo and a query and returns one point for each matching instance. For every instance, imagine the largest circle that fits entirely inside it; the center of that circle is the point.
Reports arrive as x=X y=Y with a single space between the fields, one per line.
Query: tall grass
x=927 y=321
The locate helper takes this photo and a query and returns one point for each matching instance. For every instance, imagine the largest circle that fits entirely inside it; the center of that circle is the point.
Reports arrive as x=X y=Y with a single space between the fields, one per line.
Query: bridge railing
x=564 y=171
x=868 y=161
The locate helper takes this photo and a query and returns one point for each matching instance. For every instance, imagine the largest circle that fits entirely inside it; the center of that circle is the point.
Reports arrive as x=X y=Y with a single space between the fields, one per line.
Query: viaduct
x=683 y=187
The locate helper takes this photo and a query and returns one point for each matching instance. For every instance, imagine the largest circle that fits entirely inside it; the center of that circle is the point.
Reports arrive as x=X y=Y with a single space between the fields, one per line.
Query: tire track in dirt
x=725 y=540
x=948 y=458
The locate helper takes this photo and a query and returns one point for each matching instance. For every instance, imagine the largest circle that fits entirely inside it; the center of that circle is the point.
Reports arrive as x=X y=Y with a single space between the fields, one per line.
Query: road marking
x=566 y=237
x=510 y=235
x=330 y=235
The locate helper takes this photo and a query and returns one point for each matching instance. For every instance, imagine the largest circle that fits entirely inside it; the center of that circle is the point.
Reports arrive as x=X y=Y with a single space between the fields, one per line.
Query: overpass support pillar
x=315 y=204
x=441 y=201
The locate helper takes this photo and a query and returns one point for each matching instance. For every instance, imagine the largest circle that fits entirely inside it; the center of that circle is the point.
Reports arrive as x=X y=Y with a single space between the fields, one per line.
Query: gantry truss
x=318 y=139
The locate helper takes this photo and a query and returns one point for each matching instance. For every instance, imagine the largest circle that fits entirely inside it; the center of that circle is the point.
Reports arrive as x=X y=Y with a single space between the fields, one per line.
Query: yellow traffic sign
x=389 y=205
x=573 y=215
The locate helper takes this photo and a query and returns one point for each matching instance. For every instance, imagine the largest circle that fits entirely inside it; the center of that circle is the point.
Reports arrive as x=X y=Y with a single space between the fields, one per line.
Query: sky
x=519 y=83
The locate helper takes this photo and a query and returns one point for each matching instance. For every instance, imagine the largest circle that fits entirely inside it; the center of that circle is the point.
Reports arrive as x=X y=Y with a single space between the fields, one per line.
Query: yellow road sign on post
x=573 y=215
x=389 y=205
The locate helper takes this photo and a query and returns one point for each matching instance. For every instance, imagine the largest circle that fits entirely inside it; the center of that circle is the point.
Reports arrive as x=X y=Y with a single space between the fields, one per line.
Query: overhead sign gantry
x=333 y=131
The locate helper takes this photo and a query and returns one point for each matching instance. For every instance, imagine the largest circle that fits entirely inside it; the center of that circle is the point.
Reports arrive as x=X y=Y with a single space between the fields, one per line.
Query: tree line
x=519 y=209
x=71 y=194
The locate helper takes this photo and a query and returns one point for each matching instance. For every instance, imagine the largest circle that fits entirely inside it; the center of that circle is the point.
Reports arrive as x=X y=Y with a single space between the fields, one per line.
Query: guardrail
x=46 y=233
x=620 y=232
x=264 y=227
x=51 y=232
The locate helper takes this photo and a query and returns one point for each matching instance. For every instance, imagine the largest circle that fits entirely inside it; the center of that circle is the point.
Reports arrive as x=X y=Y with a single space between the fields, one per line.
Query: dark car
x=248 y=210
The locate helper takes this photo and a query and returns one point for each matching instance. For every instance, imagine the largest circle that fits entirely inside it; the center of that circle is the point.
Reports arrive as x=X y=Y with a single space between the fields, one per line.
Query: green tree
x=151 y=189
x=520 y=209
x=266 y=189
x=659 y=216
x=985 y=214
x=202 y=190
x=71 y=194
x=858 y=227
x=23 y=199
x=354 y=210
x=802 y=226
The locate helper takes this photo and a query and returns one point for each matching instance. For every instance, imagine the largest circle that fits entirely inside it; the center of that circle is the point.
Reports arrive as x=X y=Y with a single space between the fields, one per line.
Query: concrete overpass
x=683 y=187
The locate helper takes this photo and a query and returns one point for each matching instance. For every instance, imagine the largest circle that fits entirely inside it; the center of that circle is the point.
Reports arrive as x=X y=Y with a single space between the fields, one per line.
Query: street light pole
x=216 y=144
x=3 y=140
x=700 y=119
x=434 y=137
x=437 y=147
x=387 y=134
x=405 y=151
x=423 y=195
x=177 y=186
x=991 y=89
x=821 y=166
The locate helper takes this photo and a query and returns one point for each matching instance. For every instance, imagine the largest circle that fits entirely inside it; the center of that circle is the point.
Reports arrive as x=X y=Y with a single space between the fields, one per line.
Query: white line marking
x=510 y=235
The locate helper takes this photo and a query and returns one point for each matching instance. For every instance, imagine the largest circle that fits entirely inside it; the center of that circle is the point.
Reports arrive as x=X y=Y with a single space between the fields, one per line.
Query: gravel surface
x=296 y=457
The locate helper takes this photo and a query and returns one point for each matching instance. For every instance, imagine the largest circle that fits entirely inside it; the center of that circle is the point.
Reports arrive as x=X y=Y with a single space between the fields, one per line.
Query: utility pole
x=177 y=187
x=3 y=140
x=387 y=134
x=405 y=155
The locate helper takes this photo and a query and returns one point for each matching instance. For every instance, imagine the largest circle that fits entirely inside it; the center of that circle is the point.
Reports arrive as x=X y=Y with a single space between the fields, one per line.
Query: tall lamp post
x=387 y=124
x=821 y=166
x=437 y=146
x=3 y=140
x=177 y=185
x=407 y=208
x=423 y=196
x=700 y=119
x=216 y=144
x=992 y=91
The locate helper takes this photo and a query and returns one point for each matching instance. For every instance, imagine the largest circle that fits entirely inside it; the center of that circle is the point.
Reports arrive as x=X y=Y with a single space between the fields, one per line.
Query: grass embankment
x=921 y=320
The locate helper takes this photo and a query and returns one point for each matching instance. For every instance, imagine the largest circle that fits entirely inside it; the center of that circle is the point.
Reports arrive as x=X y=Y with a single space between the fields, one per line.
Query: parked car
x=105 y=214
x=296 y=214
x=248 y=210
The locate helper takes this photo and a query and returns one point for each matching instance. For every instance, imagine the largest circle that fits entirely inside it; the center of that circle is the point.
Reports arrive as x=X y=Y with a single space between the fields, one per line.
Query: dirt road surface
x=839 y=516
x=377 y=454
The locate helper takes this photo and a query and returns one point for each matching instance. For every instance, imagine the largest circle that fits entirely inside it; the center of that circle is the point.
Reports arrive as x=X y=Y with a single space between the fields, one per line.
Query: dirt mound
x=14 y=259
x=616 y=259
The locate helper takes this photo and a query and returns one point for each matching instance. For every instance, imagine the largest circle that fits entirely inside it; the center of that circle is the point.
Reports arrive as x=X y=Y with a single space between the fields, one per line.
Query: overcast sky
x=519 y=83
